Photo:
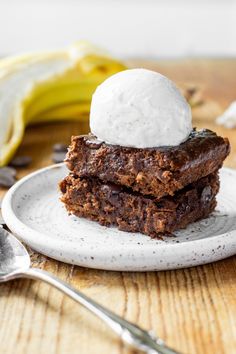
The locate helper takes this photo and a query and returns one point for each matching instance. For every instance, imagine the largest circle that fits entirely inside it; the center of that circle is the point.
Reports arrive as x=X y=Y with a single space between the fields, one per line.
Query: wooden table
x=193 y=309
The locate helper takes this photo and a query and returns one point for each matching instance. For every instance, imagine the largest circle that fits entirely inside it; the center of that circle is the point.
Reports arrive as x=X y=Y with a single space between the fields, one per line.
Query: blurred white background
x=128 y=28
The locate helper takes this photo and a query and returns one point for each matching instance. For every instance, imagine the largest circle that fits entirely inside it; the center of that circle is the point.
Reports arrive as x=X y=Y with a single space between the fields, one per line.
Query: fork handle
x=127 y=331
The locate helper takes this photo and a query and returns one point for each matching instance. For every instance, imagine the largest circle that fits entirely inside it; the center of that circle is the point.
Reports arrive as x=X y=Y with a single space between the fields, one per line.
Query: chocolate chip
x=21 y=161
x=59 y=147
x=111 y=188
x=206 y=194
x=6 y=178
x=58 y=157
x=115 y=189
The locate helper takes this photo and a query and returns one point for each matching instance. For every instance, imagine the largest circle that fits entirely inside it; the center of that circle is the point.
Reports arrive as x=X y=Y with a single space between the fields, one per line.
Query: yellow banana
x=75 y=111
x=48 y=86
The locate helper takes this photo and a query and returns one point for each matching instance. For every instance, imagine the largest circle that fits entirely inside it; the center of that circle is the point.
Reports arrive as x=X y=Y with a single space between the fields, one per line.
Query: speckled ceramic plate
x=33 y=212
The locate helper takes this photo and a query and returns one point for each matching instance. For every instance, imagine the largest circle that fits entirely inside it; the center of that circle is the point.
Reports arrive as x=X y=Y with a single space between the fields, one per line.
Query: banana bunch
x=42 y=87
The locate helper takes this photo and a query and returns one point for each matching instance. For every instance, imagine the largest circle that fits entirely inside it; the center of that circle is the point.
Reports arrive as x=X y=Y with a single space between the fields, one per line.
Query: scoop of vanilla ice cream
x=140 y=108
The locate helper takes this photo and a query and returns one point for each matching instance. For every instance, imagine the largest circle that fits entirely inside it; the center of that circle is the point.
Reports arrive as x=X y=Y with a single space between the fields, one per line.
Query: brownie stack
x=153 y=191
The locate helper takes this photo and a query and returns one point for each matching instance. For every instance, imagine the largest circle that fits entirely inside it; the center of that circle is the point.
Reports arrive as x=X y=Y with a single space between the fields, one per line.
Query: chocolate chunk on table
x=7 y=176
x=60 y=147
x=21 y=161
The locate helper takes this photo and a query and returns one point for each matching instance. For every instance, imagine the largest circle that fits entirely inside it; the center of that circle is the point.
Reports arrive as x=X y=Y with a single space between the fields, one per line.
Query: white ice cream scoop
x=140 y=108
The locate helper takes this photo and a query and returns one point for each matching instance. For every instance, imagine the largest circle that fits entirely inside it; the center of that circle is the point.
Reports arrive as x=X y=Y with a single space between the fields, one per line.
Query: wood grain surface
x=193 y=310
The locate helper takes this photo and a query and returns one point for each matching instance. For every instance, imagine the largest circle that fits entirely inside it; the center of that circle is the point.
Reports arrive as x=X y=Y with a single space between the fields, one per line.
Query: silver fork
x=15 y=263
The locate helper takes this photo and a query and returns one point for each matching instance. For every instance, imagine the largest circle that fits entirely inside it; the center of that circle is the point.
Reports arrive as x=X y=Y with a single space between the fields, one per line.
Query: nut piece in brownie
x=110 y=204
x=151 y=171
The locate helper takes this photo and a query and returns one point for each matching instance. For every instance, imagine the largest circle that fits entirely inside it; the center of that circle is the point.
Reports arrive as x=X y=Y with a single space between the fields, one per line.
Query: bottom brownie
x=110 y=204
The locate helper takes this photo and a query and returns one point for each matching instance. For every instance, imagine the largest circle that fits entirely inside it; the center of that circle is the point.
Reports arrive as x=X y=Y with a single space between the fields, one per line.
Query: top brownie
x=152 y=171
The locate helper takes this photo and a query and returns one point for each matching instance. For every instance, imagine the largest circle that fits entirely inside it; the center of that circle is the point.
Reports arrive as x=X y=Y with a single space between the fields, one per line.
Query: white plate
x=33 y=212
